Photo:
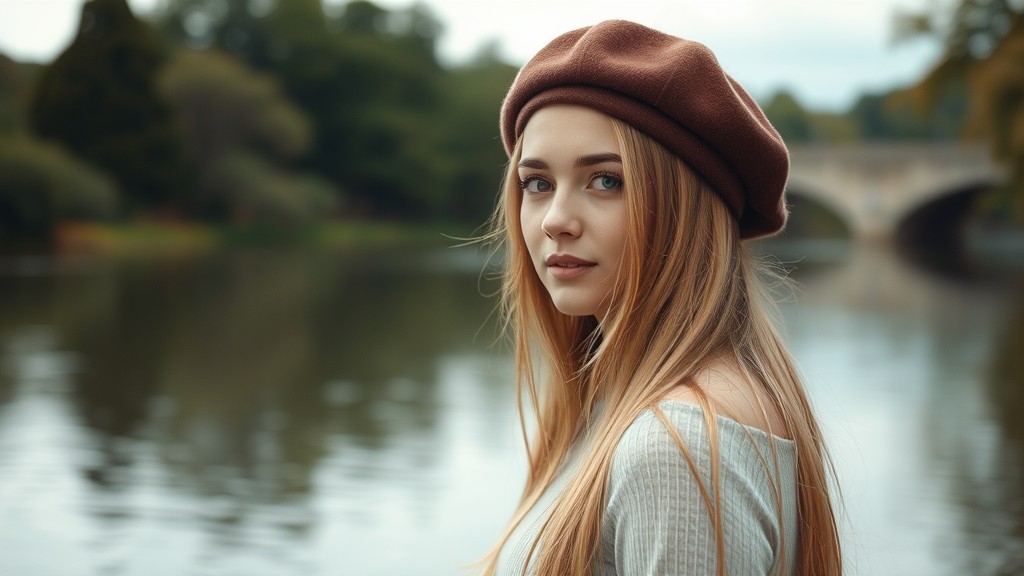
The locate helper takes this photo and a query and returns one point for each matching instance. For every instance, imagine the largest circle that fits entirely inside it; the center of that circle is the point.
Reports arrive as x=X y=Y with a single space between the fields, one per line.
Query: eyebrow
x=581 y=162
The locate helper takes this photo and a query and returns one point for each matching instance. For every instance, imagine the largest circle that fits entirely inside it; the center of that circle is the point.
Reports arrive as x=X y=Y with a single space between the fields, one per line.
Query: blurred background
x=239 y=333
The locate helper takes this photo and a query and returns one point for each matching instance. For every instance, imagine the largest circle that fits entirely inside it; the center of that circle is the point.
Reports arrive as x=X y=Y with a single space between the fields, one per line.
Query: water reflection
x=897 y=361
x=279 y=412
x=233 y=399
x=992 y=491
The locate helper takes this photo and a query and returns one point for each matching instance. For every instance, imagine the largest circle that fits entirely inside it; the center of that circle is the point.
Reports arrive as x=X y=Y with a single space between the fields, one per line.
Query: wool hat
x=672 y=90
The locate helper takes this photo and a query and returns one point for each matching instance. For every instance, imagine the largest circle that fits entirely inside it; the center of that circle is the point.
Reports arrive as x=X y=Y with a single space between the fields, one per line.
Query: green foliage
x=375 y=101
x=415 y=26
x=833 y=128
x=798 y=125
x=788 y=117
x=291 y=19
x=40 y=184
x=898 y=115
x=983 y=58
x=236 y=118
x=98 y=99
x=970 y=30
x=998 y=90
x=237 y=26
x=474 y=94
x=811 y=219
x=13 y=88
x=362 y=17
x=256 y=192
x=224 y=105
x=368 y=79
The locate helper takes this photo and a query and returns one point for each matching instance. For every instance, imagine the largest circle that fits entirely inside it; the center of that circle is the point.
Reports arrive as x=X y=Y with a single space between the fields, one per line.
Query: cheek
x=616 y=227
x=529 y=227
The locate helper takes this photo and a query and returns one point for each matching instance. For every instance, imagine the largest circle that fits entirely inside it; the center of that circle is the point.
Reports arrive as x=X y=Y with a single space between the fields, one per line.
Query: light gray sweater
x=655 y=521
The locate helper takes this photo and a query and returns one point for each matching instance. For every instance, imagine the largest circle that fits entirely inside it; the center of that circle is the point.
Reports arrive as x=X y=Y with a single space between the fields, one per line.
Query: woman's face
x=573 y=212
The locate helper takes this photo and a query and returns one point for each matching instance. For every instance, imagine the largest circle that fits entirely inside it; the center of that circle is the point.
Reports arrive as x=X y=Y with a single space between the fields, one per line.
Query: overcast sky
x=825 y=51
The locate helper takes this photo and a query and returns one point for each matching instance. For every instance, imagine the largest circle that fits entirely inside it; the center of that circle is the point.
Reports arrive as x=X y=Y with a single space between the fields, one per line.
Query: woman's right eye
x=535 y=185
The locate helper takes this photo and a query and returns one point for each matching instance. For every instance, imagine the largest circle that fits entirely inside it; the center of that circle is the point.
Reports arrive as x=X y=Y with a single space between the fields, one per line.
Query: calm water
x=286 y=412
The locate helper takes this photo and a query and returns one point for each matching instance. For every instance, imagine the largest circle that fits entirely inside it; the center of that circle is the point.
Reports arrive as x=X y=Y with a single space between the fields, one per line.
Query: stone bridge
x=874 y=186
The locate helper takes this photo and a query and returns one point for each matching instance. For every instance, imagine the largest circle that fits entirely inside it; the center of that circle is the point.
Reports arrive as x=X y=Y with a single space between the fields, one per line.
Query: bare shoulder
x=734 y=395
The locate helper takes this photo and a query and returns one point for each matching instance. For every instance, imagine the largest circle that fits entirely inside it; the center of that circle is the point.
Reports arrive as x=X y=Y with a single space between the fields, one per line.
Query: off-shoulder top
x=655 y=521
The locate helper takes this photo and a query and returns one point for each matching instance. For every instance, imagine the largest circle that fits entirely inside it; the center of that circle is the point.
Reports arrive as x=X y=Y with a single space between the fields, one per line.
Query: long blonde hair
x=687 y=293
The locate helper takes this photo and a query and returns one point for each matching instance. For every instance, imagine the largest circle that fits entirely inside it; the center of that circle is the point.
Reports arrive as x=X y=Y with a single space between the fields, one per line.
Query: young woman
x=672 y=434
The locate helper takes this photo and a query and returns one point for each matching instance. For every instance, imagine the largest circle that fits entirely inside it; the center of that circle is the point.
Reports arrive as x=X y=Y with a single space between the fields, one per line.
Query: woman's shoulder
x=677 y=444
x=735 y=395
x=652 y=438
x=664 y=472
x=666 y=455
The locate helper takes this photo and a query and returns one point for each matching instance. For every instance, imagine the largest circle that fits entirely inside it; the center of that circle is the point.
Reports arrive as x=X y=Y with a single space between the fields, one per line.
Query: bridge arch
x=813 y=215
x=957 y=192
x=875 y=186
x=941 y=217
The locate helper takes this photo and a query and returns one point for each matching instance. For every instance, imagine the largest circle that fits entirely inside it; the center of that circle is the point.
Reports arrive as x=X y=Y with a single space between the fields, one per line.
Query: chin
x=574 y=312
x=574 y=307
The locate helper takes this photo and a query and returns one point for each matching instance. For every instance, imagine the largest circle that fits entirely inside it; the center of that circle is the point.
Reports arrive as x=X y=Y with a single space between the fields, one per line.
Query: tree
x=788 y=117
x=998 y=90
x=970 y=31
x=41 y=184
x=891 y=116
x=403 y=136
x=236 y=26
x=984 y=50
x=13 y=89
x=472 y=140
x=99 y=100
x=375 y=97
x=243 y=132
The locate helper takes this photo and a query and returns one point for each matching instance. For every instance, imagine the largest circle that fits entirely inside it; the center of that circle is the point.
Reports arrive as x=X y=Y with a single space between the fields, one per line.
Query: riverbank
x=151 y=237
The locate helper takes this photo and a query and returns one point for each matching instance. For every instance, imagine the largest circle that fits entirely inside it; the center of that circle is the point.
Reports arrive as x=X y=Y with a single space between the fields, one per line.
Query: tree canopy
x=387 y=119
x=99 y=100
x=983 y=56
x=243 y=132
x=230 y=108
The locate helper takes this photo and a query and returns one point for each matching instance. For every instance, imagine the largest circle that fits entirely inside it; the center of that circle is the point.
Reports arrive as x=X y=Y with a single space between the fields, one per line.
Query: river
x=278 y=412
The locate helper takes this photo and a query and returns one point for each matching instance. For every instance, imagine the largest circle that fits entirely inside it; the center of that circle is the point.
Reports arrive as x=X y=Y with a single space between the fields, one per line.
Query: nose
x=562 y=217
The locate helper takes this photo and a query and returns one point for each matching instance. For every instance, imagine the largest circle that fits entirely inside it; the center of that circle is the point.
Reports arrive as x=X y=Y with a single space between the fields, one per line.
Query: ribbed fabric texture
x=656 y=523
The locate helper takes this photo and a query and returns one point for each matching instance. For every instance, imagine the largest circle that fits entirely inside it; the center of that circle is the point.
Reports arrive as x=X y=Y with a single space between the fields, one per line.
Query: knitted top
x=655 y=521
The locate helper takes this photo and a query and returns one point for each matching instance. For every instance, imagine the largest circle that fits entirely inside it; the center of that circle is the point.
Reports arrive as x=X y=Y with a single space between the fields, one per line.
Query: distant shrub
x=13 y=86
x=98 y=99
x=40 y=184
x=244 y=133
x=257 y=192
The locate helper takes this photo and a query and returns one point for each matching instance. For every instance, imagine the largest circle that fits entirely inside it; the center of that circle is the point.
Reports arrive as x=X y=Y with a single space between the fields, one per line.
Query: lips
x=567 y=261
x=567 y=266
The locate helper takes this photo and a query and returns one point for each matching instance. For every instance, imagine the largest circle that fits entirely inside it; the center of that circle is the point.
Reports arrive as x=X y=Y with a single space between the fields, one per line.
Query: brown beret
x=674 y=91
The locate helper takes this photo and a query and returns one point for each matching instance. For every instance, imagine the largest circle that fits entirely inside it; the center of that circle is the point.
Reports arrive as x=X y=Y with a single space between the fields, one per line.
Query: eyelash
x=612 y=175
x=525 y=182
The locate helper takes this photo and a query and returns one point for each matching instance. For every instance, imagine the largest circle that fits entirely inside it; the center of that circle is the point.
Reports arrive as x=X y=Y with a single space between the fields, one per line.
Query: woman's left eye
x=606 y=182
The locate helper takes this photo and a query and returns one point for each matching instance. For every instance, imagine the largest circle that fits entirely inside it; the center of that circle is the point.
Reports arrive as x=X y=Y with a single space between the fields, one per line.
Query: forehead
x=568 y=130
